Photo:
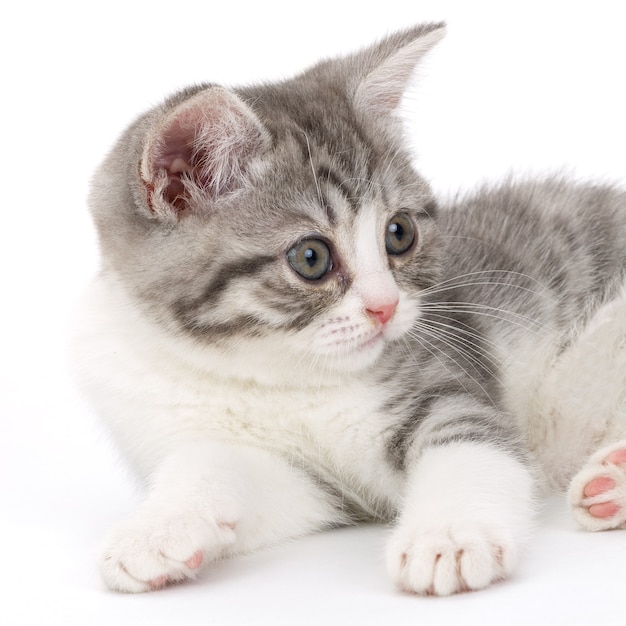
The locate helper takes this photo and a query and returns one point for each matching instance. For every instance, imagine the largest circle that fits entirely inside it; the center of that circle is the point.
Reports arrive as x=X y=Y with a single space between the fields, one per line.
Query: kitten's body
x=417 y=381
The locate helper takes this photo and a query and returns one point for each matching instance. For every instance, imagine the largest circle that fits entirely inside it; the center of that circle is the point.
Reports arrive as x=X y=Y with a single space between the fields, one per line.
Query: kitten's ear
x=384 y=70
x=199 y=152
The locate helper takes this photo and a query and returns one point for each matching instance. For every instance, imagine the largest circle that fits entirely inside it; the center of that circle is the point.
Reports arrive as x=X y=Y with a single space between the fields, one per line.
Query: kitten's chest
x=161 y=393
x=340 y=425
x=337 y=434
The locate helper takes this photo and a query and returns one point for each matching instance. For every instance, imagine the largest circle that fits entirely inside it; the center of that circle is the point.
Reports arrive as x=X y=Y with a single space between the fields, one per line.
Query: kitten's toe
x=446 y=561
x=195 y=561
x=597 y=493
x=149 y=553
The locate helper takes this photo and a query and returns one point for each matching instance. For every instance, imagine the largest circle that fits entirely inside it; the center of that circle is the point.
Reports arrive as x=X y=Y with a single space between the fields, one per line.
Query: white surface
x=528 y=87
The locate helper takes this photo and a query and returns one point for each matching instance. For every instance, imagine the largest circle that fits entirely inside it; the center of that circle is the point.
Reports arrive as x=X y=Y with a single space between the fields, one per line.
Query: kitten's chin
x=363 y=359
x=355 y=357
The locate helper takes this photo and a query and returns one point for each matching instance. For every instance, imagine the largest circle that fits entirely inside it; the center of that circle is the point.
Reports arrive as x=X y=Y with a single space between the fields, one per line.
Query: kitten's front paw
x=447 y=560
x=152 y=551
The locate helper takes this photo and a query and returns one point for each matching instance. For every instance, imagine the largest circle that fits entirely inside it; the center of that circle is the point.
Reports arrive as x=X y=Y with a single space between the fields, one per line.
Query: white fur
x=162 y=391
x=575 y=401
x=213 y=499
x=374 y=282
x=209 y=432
x=467 y=508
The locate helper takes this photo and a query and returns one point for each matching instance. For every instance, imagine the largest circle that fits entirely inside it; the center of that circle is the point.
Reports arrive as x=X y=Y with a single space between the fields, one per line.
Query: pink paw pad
x=598 y=486
x=606 y=509
x=193 y=563
x=617 y=457
x=158 y=583
x=601 y=485
x=597 y=493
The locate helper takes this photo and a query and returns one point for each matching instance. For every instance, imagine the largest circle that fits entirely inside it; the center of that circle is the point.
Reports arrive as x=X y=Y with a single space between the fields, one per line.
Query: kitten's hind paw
x=597 y=493
x=149 y=553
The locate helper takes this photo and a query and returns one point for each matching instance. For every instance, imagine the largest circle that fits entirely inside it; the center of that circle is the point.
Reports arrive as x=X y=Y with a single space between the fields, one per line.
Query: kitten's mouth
x=352 y=342
x=369 y=343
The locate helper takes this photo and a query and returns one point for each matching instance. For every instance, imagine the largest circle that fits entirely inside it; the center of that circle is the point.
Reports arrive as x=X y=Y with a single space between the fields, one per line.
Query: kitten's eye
x=400 y=234
x=310 y=258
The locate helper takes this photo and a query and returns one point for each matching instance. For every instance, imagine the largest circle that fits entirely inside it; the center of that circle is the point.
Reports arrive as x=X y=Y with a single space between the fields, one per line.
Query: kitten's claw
x=443 y=562
x=149 y=553
x=598 y=492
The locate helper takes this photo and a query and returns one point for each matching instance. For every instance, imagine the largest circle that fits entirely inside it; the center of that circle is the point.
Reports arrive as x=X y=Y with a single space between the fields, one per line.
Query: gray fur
x=521 y=260
x=493 y=269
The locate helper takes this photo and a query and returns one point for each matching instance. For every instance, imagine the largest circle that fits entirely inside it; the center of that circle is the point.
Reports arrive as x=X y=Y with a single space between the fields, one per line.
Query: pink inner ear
x=175 y=156
x=179 y=154
x=178 y=166
x=200 y=151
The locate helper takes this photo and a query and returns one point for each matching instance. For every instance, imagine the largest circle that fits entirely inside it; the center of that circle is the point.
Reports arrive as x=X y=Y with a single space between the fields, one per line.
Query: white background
x=516 y=87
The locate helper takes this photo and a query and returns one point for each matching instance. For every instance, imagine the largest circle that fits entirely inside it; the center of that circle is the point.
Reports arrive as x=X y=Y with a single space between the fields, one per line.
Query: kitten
x=289 y=334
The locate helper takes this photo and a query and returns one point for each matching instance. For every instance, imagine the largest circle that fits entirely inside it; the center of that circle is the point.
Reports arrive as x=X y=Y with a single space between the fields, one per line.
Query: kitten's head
x=286 y=214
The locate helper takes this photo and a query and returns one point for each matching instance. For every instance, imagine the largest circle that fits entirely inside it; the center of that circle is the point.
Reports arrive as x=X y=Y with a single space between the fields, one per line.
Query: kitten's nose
x=383 y=312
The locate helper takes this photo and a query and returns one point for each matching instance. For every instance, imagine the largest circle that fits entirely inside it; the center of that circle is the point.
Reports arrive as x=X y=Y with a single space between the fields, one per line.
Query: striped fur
x=424 y=386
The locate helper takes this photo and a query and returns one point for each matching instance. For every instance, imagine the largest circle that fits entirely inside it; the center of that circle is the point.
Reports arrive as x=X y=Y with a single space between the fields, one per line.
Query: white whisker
x=480 y=279
x=473 y=341
x=433 y=349
x=484 y=310
x=320 y=197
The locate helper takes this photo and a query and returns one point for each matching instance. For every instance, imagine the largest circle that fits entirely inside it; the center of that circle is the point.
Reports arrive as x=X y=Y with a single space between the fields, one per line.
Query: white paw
x=449 y=559
x=467 y=507
x=151 y=551
x=597 y=493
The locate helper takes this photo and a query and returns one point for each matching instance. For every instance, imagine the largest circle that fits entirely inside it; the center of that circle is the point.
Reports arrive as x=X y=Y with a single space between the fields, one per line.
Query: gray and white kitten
x=289 y=334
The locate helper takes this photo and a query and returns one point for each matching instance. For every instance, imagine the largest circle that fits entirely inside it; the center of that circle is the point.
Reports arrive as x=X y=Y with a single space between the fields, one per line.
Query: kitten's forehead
x=329 y=207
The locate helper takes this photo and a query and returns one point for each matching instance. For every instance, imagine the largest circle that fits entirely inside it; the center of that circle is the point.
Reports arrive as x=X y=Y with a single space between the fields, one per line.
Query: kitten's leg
x=597 y=493
x=206 y=501
x=467 y=507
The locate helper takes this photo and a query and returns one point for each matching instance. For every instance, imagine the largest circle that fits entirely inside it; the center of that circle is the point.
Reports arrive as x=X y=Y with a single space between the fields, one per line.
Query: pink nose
x=383 y=312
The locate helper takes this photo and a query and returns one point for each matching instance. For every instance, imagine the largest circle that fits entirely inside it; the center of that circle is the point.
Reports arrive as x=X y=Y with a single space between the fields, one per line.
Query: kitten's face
x=326 y=263
x=375 y=299
x=286 y=216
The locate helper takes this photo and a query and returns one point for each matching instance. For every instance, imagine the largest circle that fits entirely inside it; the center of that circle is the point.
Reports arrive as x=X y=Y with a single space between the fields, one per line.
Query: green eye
x=310 y=258
x=400 y=234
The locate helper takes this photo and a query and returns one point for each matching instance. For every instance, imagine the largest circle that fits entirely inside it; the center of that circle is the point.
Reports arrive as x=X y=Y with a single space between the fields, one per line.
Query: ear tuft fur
x=199 y=152
x=386 y=69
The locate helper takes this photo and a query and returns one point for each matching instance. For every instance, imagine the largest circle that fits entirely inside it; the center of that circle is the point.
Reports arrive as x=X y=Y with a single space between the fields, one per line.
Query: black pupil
x=311 y=257
x=397 y=230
